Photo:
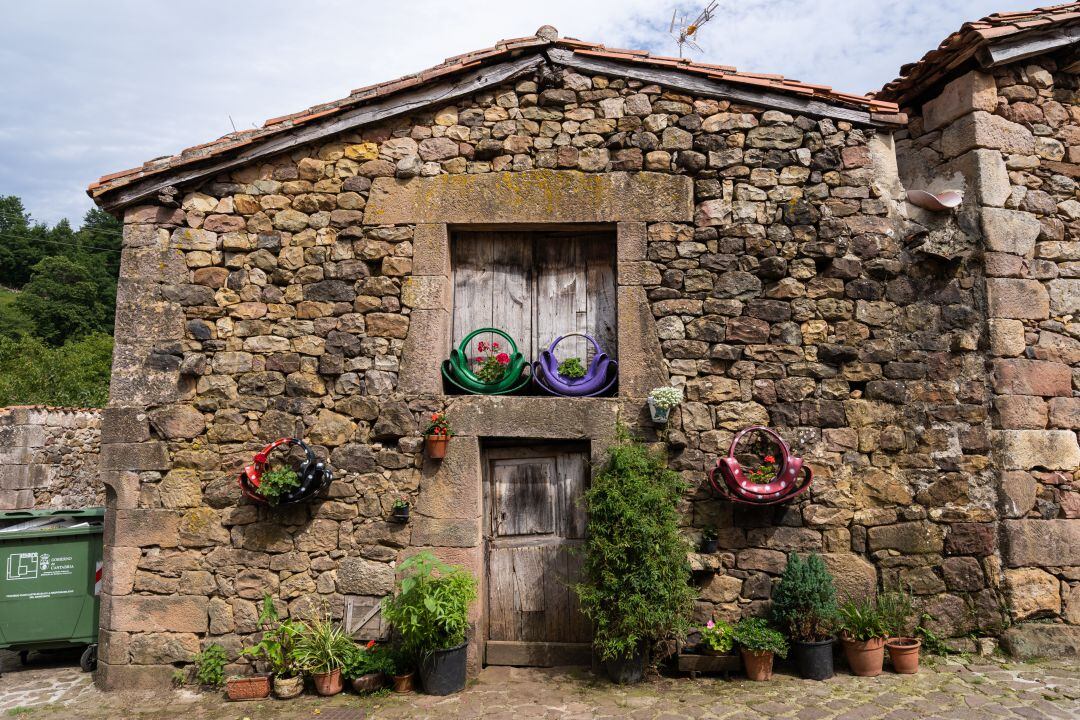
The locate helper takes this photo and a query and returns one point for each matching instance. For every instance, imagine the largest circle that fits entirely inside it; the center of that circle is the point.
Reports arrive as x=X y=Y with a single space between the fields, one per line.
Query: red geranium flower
x=503 y=358
x=770 y=459
x=481 y=346
x=494 y=345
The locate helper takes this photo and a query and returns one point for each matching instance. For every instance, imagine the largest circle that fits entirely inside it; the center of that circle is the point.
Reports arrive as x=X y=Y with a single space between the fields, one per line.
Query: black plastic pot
x=400 y=515
x=443 y=672
x=814 y=659
x=626 y=671
x=709 y=546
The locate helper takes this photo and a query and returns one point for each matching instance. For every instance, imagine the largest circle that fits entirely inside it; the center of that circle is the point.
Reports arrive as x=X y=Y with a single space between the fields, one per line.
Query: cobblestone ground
x=980 y=689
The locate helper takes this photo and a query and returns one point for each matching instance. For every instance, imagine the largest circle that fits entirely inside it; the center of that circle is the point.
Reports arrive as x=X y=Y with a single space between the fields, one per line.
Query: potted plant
x=571 y=368
x=404 y=680
x=863 y=632
x=661 y=402
x=322 y=648
x=717 y=638
x=709 y=540
x=430 y=612
x=759 y=644
x=492 y=369
x=400 y=511
x=437 y=436
x=635 y=587
x=368 y=668
x=896 y=607
x=804 y=606
x=276 y=650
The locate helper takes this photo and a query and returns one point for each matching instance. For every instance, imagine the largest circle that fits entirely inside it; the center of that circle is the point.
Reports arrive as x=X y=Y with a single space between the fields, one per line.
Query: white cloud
x=91 y=88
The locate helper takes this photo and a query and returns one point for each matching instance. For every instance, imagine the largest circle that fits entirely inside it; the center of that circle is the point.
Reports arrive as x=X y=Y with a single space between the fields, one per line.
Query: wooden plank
x=472 y=257
x=523 y=502
x=713 y=88
x=556 y=600
x=529 y=591
x=391 y=106
x=1014 y=49
x=601 y=320
x=537 y=654
x=558 y=272
x=512 y=289
x=572 y=470
x=502 y=621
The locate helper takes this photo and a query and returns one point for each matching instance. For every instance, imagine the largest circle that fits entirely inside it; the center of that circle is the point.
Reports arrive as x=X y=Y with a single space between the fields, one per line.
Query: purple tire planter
x=600 y=377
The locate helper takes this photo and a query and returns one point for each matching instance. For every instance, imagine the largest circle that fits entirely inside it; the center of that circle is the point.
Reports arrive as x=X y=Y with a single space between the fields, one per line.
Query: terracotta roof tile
x=958 y=48
x=886 y=111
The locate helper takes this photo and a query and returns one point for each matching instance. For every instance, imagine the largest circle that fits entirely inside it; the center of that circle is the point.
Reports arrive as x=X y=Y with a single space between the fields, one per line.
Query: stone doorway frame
x=449 y=508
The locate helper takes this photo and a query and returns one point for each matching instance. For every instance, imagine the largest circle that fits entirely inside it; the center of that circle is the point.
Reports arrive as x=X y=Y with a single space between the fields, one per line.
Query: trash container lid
x=27 y=523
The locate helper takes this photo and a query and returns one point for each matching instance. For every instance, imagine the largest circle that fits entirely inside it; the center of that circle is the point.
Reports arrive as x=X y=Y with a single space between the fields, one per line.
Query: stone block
x=1065 y=412
x=175 y=613
x=1065 y=296
x=853 y=575
x=980 y=129
x=426 y=292
x=1032 y=377
x=358 y=576
x=134 y=456
x=431 y=250
x=986 y=173
x=785 y=538
x=1020 y=412
x=133 y=677
x=140 y=528
x=534 y=417
x=631 y=241
x=178 y=421
x=641 y=360
x=1032 y=593
x=1031 y=641
x=907 y=537
x=535 y=196
x=1010 y=231
x=1017 y=299
x=963 y=574
x=969 y=92
x=1017 y=493
x=160 y=648
x=639 y=273
x=1042 y=543
x=770 y=561
x=719 y=588
x=426 y=346
x=1006 y=337
x=153 y=215
x=124 y=425
x=446 y=533
x=450 y=490
x=1037 y=449
x=120 y=564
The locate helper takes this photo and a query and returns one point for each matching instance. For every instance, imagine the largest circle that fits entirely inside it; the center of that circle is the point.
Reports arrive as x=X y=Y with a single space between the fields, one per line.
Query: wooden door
x=535 y=527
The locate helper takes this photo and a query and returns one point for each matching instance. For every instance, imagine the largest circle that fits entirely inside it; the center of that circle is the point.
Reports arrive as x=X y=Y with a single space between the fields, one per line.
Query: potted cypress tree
x=430 y=612
x=804 y=606
x=759 y=644
x=863 y=631
x=635 y=586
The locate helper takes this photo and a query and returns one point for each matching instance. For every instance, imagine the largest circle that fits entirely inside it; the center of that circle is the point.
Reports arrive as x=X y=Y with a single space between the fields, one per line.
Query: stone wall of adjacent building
x=49 y=458
x=797 y=291
x=1012 y=136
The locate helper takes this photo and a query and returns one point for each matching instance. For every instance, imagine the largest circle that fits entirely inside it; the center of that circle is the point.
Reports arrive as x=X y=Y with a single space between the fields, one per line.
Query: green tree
x=74 y=375
x=67 y=299
x=21 y=245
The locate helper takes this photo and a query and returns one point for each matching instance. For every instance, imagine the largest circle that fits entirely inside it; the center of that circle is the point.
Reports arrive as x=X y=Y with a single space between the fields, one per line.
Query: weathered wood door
x=535 y=526
x=536 y=286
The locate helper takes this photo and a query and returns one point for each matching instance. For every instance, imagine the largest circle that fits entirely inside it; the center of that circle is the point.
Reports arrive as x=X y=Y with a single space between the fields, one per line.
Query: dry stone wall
x=49 y=458
x=265 y=303
x=1012 y=136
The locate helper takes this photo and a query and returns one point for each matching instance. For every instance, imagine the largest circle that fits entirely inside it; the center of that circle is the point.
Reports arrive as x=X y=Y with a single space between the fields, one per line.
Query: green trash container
x=50 y=580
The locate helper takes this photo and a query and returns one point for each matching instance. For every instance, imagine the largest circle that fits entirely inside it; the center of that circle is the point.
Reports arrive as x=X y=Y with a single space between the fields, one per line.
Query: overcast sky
x=89 y=88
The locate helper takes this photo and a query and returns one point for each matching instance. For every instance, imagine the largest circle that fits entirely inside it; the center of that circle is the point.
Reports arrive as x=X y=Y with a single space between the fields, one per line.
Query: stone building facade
x=49 y=458
x=298 y=280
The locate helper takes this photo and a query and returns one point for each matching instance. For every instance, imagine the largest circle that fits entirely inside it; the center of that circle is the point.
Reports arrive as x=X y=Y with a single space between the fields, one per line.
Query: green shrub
x=210 y=666
x=804 y=602
x=322 y=646
x=863 y=619
x=73 y=375
x=755 y=634
x=430 y=610
x=370 y=659
x=277 y=482
x=636 y=575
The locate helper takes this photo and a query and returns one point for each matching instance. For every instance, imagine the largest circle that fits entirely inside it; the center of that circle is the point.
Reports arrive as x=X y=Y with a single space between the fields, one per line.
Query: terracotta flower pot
x=255 y=687
x=865 y=658
x=328 y=683
x=435 y=446
x=904 y=654
x=288 y=688
x=405 y=683
x=369 y=683
x=758 y=664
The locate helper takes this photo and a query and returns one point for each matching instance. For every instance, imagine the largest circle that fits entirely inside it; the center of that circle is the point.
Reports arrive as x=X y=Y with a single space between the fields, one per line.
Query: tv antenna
x=688 y=30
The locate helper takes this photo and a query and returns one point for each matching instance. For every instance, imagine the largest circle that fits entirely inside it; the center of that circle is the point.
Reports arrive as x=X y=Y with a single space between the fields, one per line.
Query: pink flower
x=494 y=346
x=503 y=358
x=710 y=624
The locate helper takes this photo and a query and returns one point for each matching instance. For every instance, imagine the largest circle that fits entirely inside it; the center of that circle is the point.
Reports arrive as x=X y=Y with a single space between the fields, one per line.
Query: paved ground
x=980 y=689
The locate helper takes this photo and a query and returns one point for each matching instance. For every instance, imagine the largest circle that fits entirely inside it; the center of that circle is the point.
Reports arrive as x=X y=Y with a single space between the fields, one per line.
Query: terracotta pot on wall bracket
x=758 y=664
x=435 y=446
x=904 y=654
x=865 y=657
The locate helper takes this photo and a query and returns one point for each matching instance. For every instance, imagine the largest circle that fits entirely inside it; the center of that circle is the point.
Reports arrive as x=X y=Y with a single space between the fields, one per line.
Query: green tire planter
x=458 y=374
